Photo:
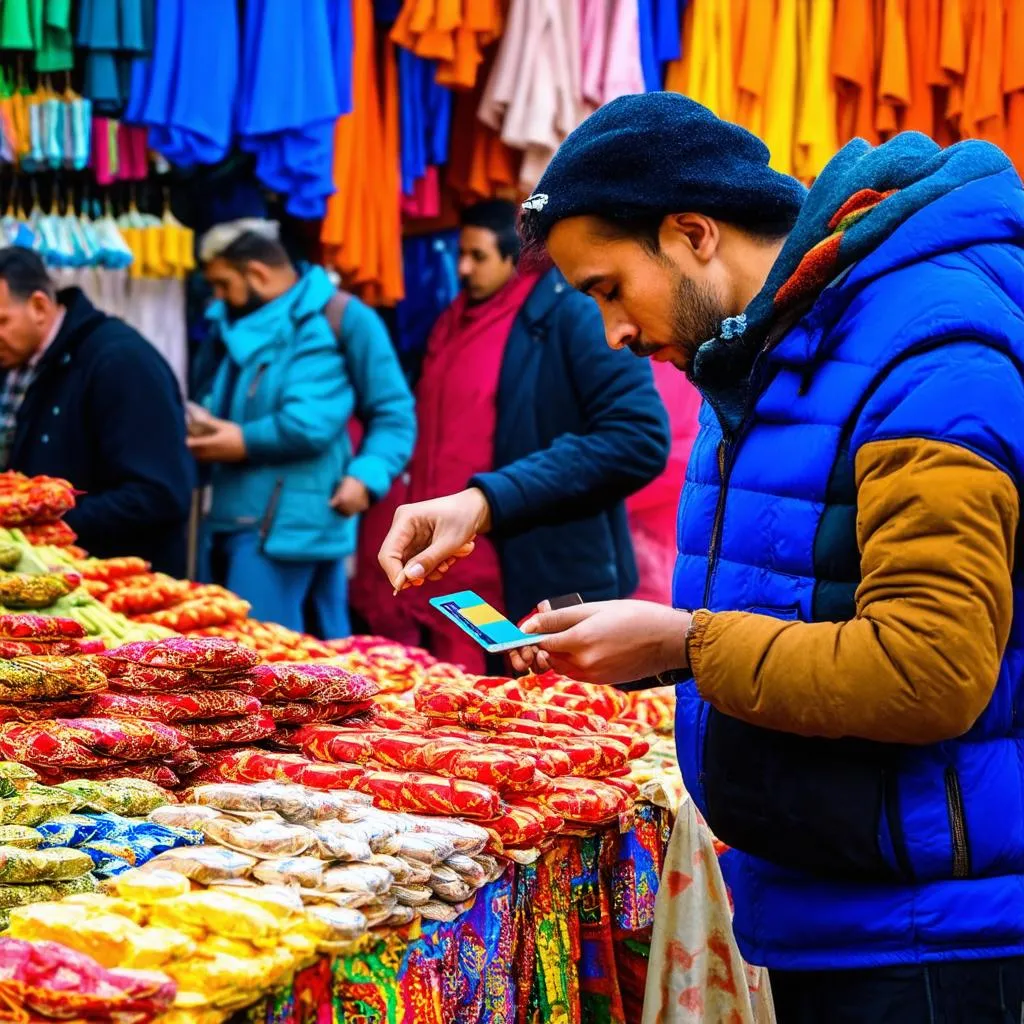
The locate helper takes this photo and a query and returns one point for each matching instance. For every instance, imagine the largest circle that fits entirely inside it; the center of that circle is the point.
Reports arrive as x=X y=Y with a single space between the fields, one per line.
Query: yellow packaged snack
x=217 y=912
x=334 y=924
x=22 y=836
x=97 y=903
x=218 y=944
x=280 y=900
x=147 y=887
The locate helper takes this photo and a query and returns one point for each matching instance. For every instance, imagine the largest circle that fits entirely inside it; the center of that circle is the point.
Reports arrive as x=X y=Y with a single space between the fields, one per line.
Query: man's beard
x=252 y=303
x=696 y=316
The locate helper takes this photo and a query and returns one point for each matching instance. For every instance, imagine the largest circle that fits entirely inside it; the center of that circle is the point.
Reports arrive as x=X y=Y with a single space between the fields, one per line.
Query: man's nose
x=620 y=334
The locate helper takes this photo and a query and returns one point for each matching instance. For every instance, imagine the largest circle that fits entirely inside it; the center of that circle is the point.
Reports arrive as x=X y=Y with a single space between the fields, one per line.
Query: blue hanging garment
x=425 y=115
x=185 y=91
x=113 y=33
x=291 y=130
x=431 y=285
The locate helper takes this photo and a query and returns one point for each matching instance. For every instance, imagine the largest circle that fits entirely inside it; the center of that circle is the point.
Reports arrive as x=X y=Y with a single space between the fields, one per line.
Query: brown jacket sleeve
x=918 y=664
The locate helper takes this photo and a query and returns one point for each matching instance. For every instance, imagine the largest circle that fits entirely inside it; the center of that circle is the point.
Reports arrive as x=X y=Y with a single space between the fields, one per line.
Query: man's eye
x=612 y=294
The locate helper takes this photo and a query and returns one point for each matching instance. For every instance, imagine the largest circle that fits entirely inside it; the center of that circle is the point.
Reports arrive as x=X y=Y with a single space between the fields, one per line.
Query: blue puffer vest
x=849 y=853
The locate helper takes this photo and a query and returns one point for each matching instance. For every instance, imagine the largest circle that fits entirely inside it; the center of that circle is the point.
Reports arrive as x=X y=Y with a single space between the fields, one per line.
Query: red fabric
x=652 y=511
x=456 y=406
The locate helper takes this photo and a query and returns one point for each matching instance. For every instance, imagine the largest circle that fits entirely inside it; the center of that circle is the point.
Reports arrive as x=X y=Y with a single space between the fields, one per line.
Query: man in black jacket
x=85 y=397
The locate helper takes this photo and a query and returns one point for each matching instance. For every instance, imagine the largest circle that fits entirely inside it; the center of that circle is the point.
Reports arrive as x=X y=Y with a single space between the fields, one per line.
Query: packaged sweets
x=175 y=707
x=334 y=842
x=47 y=678
x=217 y=732
x=213 y=655
x=27 y=590
x=228 y=797
x=400 y=916
x=379 y=910
x=356 y=878
x=35 y=804
x=449 y=886
x=351 y=900
x=190 y=816
x=68 y=830
x=314 y=682
x=217 y=911
x=20 y=866
x=280 y=900
x=468 y=869
x=334 y=924
x=18 y=775
x=21 y=836
x=425 y=847
x=204 y=864
x=39 y=627
x=305 y=872
x=130 y=797
x=412 y=895
x=400 y=870
x=263 y=839
x=436 y=910
x=466 y=837
x=101 y=903
x=147 y=887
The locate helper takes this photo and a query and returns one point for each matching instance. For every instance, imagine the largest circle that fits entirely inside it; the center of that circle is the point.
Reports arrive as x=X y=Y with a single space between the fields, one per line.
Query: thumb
x=423 y=564
x=557 y=621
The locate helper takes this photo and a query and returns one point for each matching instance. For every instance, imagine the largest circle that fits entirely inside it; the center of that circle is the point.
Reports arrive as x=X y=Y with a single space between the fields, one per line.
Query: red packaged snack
x=88 y=742
x=213 y=655
x=150 y=593
x=175 y=707
x=41 y=710
x=108 y=569
x=302 y=712
x=430 y=794
x=245 y=729
x=57 y=534
x=149 y=771
x=40 y=499
x=292 y=682
x=47 y=980
x=588 y=801
x=250 y=765
x=39 y=627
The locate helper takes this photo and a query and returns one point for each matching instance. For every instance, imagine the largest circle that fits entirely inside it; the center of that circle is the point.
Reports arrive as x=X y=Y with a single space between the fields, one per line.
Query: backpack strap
x=335 y=313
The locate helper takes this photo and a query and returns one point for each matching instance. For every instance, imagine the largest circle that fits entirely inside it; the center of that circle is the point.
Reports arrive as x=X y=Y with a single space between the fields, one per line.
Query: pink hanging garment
x=133 y=152
x=101 y=151
x=426 y=198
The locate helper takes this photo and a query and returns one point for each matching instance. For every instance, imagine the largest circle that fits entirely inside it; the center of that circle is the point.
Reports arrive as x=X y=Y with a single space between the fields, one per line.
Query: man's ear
x=698 y=233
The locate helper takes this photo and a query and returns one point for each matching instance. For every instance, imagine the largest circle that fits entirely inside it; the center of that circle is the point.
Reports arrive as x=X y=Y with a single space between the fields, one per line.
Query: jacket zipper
x=271 y=512
x=957 y=825
x=724 y=469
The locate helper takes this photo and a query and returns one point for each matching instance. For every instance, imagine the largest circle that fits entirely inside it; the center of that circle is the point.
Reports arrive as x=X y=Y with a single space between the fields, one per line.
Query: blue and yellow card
x=486 y=625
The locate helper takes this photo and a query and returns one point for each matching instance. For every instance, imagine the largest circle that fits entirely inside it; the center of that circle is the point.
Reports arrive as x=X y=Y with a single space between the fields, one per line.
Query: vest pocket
x=808 y=804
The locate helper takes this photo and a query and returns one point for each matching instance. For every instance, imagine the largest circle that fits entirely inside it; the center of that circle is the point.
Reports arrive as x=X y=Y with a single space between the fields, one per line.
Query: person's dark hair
x=498 y=216
x=252 y=247
x=25 y=273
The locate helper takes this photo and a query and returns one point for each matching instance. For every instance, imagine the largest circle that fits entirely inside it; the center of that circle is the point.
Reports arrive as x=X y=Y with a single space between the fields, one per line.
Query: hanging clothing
x=185 y=91
x=426 y=114
x=114 y=33
x=815 y=141
x=533 y=95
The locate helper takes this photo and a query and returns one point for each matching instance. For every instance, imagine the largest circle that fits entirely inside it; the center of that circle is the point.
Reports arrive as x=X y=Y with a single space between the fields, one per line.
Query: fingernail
x=415 y=572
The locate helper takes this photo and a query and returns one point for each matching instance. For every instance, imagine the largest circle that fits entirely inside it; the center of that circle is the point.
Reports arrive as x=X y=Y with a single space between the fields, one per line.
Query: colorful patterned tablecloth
x=566 y=940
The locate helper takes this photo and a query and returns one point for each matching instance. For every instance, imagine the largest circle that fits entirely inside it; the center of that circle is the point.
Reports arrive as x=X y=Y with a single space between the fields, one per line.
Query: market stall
x=222 y=817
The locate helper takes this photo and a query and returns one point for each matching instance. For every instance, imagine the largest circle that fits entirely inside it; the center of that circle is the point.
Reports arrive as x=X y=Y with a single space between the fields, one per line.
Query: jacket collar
x=546 y=295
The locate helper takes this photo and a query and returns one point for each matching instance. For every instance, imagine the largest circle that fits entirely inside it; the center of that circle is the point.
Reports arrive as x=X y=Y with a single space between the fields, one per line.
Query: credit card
x=485 y=624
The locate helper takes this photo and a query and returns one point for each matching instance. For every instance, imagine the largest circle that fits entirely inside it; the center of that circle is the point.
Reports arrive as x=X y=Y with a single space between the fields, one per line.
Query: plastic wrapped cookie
x=204 y=864
x=302 y=872
x=263 y=839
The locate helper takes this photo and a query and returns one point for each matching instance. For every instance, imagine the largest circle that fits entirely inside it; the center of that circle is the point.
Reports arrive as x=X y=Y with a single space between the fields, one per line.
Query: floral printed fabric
x=296 y=712
x=696 y=973
x=39 y=627
x=419 y=793
x=213 y=655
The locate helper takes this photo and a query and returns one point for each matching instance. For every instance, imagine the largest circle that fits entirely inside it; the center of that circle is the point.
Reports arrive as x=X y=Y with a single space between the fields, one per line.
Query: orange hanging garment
x=853 y=65
x=754 y=60
x=984 y=112
x=1013 y=83
x=952 y=65
x=894 y=69
x=781 y=96
x=922 y=49
x=678 y=72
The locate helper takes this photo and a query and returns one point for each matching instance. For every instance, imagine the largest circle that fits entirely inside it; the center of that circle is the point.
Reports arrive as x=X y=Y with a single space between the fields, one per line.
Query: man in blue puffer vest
x=848 y=634
x=287 y=487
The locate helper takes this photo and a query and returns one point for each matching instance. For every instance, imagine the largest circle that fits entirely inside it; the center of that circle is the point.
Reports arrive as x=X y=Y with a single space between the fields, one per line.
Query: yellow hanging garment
x=780 y=98
x=816 y=138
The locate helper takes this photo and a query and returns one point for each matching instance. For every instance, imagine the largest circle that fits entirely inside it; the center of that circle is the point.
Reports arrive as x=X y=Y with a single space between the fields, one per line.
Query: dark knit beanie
x=657 y=153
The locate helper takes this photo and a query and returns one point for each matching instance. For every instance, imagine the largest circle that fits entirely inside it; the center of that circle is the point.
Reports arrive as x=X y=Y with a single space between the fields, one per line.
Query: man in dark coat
x=85 y=397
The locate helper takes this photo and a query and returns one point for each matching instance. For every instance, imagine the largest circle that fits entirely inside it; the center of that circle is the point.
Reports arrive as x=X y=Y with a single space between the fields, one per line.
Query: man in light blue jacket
x=301 y=362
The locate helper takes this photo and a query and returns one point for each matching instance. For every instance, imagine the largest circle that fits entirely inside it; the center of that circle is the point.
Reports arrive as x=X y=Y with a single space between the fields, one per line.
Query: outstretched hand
x=426 y=539
x=606 y=642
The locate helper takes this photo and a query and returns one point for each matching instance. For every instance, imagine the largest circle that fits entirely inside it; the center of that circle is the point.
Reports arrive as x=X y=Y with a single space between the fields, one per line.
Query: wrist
x=482 y=510
x=673 y=645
